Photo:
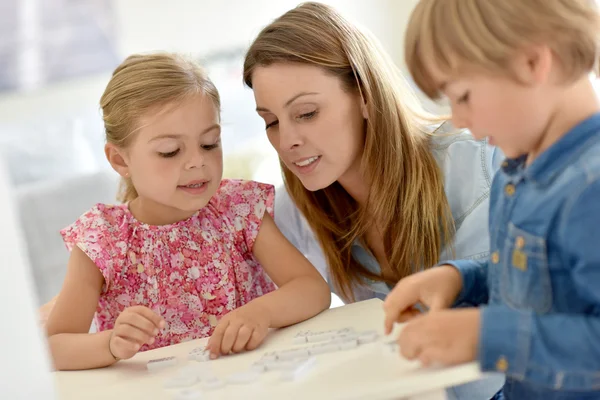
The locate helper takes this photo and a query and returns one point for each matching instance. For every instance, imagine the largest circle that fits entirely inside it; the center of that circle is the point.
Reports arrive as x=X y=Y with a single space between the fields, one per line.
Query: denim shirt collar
x=557 y=157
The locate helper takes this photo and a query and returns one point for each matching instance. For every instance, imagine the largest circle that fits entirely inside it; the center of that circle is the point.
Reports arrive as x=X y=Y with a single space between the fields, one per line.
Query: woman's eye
x=308 y=115
x=271 y=124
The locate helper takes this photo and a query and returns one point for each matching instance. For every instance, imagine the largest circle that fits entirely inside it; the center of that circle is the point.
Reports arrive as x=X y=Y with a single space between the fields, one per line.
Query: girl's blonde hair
x=146 y=83
x=454 y=34
x=406 y=199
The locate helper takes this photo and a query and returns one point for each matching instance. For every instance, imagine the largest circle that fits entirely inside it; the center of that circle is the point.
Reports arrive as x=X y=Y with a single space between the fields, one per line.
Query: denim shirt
x=542 y=280
x=468 y=167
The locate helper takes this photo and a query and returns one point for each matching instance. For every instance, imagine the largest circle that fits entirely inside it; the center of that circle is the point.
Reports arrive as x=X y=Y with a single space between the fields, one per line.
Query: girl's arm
x=71 y=346
x=302 y=293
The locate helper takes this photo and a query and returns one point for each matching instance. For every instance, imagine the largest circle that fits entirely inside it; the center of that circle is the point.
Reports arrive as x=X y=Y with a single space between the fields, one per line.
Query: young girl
x=518 y=72
x=187 y=255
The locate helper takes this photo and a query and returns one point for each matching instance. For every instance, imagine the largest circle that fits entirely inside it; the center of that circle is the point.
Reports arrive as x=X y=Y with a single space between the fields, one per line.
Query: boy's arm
x=559 y=350
x=475 y=290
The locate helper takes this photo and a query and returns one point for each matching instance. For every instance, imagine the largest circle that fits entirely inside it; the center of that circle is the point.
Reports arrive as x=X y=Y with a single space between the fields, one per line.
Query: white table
x=362 y=373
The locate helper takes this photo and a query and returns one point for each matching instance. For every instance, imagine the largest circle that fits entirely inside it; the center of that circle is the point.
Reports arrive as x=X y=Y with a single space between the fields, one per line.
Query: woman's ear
x=117 y=159
x=364 y=110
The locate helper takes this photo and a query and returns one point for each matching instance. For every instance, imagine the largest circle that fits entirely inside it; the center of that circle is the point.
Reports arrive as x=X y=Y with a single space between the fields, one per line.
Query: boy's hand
x=135 y=327
x=242 y=329
x=436 y=288
x=445 y=337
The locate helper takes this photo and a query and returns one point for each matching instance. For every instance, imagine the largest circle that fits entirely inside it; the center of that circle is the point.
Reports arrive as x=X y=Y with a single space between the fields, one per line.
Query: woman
x=375 y=189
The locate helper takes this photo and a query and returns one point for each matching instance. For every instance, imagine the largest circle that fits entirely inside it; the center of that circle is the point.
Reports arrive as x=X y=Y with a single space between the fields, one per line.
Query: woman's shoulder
x=460 y=155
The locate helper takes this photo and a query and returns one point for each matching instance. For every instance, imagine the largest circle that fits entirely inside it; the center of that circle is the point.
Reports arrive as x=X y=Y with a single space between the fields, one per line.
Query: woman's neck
x=354 y=182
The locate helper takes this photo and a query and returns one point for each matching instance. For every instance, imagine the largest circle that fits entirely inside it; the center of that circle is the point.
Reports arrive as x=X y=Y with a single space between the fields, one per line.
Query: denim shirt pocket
x=525 y=282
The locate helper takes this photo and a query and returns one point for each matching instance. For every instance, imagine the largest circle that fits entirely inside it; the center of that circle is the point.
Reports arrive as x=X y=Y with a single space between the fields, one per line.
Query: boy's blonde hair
x=406 y=200
x=146 y=83
x=453 y=34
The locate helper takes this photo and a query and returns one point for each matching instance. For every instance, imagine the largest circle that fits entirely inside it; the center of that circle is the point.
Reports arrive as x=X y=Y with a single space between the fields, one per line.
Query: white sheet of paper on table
x=189 y=394
x=213 y=383
x=244 y=378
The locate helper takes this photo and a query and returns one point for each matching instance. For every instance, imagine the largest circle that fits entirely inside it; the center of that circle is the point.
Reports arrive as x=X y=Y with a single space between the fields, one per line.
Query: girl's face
x=175 y=160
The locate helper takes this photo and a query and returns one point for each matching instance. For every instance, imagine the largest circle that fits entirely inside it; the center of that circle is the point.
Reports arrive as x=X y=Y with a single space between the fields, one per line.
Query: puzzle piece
x=299 y=371
x=199 y=354
x=161 y=363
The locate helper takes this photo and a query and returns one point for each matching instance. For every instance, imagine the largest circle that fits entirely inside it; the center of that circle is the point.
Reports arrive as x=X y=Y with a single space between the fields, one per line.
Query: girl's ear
x=117 y=158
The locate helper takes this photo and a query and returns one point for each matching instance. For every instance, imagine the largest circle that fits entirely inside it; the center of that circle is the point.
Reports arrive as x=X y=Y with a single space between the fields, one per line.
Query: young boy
x=518 y=73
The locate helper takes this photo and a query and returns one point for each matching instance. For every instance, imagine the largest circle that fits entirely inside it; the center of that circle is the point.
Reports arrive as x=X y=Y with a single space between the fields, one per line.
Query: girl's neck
x=150 y=212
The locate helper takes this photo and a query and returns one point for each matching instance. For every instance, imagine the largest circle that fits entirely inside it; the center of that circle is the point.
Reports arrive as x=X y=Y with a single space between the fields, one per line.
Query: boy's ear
x=117 y=158
x=534 y=64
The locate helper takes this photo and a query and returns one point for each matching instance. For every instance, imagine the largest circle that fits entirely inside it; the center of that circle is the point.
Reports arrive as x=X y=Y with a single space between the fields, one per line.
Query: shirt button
x=505 y=164
x=495 y=257
x=502 y=364
x=509 y=189
x=520 y=242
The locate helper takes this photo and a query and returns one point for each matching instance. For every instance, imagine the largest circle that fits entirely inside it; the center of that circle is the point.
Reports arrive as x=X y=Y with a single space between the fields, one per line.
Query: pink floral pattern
x=192 y=272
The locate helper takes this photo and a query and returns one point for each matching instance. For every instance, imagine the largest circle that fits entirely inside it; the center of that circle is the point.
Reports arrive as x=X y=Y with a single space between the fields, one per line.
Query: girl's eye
x=210 y=146
x=170 y=154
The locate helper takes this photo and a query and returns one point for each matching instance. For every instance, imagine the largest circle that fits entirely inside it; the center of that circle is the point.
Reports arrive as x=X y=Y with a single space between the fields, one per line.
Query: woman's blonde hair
x=453 y=34
x=406 y=192
x=145 y=83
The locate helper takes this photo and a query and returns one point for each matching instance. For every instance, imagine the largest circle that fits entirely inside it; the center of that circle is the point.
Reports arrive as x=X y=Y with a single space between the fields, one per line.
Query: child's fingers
x=432 y=355
x=230 y=337
x=408 y=314
x=243 y=336
x=397 y=302
x=134 y=334
x=214 y=343
x=139 y=321
x=150 y=315
x=123 y=348
x=255 y=340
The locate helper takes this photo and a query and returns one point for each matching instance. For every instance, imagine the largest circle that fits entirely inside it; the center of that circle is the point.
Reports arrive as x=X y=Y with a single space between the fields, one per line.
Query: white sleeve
x=294 y=227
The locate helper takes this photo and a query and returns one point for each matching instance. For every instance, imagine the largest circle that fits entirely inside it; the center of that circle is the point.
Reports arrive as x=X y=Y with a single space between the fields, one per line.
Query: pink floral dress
x=191 y=273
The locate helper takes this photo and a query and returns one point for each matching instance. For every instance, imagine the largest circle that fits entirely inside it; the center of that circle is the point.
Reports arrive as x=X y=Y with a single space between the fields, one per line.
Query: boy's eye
x=169 y=154
x=464 y=98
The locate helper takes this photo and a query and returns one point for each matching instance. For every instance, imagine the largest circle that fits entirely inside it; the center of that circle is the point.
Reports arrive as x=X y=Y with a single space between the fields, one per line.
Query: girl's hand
x=134 y=327
x=242 y=329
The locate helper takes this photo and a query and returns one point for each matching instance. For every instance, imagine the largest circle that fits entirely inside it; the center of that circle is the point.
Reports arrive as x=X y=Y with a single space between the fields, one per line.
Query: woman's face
x=314 y=123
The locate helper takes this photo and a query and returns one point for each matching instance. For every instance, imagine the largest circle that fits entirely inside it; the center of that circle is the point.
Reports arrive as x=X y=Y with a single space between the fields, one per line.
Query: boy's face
x=511 y=114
